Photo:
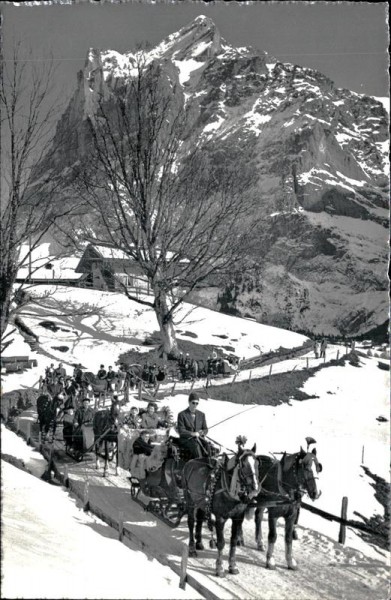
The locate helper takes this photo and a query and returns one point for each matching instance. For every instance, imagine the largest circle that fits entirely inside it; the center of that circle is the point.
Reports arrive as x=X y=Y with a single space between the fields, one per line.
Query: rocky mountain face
x=320 y=256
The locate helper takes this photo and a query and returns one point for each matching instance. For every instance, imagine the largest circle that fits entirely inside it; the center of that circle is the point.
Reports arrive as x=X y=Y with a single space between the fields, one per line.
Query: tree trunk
x=166 y=326
x=5 y=303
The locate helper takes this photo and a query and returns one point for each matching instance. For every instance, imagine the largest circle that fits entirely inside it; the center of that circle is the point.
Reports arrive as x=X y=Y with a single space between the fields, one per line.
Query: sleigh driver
x=192 y=428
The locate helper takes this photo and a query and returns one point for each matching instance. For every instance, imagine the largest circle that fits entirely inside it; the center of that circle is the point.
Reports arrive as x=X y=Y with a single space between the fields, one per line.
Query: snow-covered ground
x=343 y=418
x=52 y=549
x=111 y=324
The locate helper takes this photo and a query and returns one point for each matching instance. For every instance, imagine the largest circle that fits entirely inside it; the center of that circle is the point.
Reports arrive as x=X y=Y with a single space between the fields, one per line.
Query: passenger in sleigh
x=133 y=420
x=68 y=425
x=150 y=420
x=142 y=448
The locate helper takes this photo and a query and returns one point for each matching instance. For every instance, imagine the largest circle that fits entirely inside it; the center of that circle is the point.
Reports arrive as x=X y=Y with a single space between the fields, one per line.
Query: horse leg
x=97 y=461
x=289 y=525
x=198 y=534
x=258 y=529
x=106 y=459
x=220 y=522
x=116 y=457
x=295 y=535
x=270 y=562
x=236 y=532
x=190 y=524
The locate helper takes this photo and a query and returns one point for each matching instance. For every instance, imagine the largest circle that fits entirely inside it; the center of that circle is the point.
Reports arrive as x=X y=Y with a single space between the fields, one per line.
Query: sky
x=347 y=42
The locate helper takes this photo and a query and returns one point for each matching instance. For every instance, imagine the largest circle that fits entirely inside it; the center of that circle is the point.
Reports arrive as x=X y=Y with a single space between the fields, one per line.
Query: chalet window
x=124 y=279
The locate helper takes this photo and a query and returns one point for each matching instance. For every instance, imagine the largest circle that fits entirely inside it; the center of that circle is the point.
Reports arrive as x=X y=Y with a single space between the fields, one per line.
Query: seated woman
x=150 y=420
x=142 y=448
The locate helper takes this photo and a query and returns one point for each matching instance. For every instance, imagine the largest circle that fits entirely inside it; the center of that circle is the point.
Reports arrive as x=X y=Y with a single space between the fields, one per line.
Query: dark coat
x=186 y=424
x=101 y=374
x=142 y=447
x=84 y=416
x=60 y=372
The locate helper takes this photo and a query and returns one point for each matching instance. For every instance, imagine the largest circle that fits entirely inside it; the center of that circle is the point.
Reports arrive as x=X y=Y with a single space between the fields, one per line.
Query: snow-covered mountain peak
x=320 y=150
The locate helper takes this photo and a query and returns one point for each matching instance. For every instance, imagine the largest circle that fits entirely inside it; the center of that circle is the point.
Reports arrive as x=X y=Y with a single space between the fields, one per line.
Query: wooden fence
x=344 y=522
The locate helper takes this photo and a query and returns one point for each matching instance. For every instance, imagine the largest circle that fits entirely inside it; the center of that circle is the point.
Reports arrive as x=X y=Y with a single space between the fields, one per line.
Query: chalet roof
x=107 y=252
x=47 y=266
x=115 y=259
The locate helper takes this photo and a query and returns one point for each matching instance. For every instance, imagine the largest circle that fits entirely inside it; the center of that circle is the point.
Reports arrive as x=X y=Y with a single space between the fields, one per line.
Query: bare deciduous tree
x=181 y=211
x=30 y=197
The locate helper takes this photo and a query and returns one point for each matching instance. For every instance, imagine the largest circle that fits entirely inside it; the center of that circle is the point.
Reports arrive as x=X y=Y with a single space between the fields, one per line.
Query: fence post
x=249 y=377
x=183 y=575
x=157 y=388
x=344 y=512
x=86 y=494
x=235 y=376
x=362 y=456
x=173 y=388
x=192 y=384
x=139 y=389
x=120 y=525
x=307 y=361
x=207 y=381
x=337 y=354
x=270 y=370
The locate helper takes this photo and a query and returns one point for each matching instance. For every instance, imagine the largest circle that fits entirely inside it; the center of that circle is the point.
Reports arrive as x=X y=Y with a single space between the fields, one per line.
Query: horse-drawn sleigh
x=212 y=489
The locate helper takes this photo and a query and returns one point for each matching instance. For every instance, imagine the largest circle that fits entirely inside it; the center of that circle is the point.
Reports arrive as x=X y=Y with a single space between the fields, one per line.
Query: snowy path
x=326 y=569
x=52 y=549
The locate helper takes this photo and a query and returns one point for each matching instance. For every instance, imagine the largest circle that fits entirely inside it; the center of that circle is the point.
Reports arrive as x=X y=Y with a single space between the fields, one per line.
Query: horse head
x=308 y=468
x=248 y=472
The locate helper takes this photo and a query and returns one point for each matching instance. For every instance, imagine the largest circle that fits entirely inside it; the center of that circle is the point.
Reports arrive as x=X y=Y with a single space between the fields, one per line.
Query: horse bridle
x=243 y=478
x=303 y=467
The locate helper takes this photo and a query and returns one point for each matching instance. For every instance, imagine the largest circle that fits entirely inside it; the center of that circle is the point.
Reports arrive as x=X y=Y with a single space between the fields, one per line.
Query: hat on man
x=193 y=396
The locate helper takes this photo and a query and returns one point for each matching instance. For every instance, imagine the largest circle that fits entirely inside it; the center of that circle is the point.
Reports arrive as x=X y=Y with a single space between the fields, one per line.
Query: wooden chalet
x=105 y=268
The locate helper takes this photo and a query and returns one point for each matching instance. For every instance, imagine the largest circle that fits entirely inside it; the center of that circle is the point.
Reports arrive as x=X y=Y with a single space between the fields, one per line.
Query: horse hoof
x=220 y=573
x=192 y=554
x=200 y=546
x=295 y=535
x=240 y=543
x=233 y=570
x=212 y=544
x=292 y=566
x=270 y=566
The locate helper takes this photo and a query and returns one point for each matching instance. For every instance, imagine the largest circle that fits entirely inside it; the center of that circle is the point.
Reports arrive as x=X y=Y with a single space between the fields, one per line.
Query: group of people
x=320 y=348
x=191 y=427
x=191 y=368
x=152 y=374
x=191 y=423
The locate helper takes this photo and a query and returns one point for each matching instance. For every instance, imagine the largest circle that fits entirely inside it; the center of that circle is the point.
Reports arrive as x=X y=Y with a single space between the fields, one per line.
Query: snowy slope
x=52 y=549
x=114 y=324
x=342 y=418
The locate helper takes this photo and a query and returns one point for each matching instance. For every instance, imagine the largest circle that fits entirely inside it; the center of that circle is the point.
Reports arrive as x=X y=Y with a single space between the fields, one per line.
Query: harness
x=236 y=490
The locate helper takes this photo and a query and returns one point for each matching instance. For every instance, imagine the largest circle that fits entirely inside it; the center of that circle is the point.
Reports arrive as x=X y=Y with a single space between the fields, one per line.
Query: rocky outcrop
x=320 y=256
